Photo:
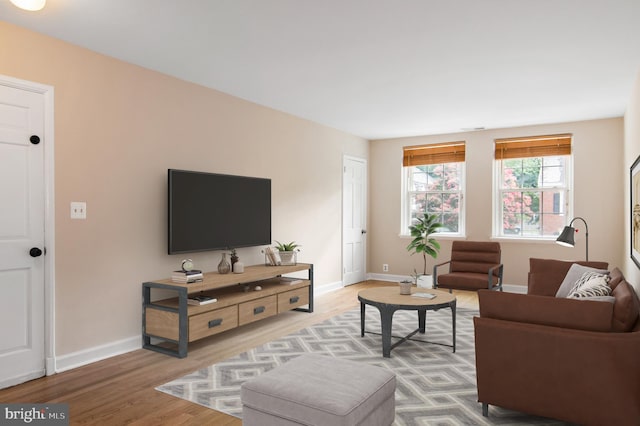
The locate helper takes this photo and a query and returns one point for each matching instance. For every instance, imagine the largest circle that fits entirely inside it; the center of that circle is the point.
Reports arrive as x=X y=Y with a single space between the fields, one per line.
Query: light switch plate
x=78 y=210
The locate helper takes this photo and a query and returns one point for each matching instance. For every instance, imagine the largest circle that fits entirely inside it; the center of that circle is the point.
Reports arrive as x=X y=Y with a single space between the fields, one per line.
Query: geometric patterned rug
x=434 y=385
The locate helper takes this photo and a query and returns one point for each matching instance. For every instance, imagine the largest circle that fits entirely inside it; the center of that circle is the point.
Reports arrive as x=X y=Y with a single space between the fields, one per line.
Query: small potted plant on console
x=288 y=252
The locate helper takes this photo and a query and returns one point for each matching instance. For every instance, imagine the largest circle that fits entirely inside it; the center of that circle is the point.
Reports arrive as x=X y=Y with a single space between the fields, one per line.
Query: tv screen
x=209 y=211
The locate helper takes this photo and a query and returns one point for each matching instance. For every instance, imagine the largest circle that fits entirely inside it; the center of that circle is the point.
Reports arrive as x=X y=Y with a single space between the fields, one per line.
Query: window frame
x=406 y=200
x=497 y=214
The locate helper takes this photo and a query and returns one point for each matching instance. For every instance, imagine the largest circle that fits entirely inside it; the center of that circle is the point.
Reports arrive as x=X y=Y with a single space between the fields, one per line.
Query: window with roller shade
x=434 y=183
x=533 y=180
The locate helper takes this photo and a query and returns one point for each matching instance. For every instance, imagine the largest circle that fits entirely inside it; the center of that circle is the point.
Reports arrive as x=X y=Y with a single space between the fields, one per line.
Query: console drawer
x=258 y=309
x=212 y=322
x=292 y=299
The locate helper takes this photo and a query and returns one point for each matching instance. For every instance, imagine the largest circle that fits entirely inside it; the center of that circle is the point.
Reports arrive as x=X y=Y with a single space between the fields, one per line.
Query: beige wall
x=118 y=127
x=598 y=197
x=631 y=152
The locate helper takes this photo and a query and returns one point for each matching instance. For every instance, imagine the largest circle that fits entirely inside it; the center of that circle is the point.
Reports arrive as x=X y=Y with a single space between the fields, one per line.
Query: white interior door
x=354 y=215
x=22 y=202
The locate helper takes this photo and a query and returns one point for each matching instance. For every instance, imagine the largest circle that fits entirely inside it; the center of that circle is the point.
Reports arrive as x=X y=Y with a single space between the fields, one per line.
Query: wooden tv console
x=175 y=322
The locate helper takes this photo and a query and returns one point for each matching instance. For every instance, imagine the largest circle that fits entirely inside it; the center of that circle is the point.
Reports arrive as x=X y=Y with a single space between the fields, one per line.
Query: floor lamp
x=566 y=238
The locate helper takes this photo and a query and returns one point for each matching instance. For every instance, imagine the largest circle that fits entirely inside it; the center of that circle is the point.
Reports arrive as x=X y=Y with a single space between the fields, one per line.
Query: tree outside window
x=533 y=194
x=436 y=189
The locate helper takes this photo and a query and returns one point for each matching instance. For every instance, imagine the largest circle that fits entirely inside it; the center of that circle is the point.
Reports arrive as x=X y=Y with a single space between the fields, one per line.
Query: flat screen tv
x=209 y=211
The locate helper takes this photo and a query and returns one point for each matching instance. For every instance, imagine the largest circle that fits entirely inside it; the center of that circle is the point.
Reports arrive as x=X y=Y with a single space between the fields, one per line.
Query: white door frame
x=49 y=213
x=365 y=212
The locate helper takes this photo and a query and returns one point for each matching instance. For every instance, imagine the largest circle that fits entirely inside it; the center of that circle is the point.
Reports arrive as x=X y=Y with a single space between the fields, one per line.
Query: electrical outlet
x=385 y=267
x=78 y=210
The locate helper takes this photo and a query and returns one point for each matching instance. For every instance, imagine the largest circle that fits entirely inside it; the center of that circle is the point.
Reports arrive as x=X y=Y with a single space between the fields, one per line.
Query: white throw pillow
x=574 y=274
x=591 y=284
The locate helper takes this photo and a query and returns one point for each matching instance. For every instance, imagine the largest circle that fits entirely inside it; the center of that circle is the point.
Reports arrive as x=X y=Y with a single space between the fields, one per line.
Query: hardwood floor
x=120 y=390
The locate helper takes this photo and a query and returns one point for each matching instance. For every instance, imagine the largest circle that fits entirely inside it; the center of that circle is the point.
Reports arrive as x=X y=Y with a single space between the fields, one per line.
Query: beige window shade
x=450 y=152
x=536 y=146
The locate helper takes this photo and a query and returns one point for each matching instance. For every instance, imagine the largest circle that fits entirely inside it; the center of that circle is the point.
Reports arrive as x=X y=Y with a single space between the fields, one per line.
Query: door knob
x=364 y=231
x=35 y=252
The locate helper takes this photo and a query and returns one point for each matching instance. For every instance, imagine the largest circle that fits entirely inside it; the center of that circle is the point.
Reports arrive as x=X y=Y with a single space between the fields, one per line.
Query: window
x=434 y=182
x=533 y=181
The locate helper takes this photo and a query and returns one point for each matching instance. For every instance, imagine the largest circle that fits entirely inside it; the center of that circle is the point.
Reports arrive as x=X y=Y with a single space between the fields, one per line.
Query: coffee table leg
x=453 y=322
x=386 y=318
x=422 y=320
x=361 y=319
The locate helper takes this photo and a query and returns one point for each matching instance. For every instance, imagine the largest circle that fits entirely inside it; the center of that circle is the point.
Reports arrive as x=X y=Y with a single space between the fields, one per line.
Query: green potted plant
x=287 y=252
x=422 y=242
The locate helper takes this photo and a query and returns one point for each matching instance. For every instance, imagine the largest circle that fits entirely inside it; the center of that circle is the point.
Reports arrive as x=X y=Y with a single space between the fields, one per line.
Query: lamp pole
x=586 y=227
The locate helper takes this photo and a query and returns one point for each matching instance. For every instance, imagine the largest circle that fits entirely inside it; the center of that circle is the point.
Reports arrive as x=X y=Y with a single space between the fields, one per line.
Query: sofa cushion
x=626 y=308
x=544 y=310
x=591 y=284
x=572 y=277
x=546 y=275
x=465 y=280
x=615 y=277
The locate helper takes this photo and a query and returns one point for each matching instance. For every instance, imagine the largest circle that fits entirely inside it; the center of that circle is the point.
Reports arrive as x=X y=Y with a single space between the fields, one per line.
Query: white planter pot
x=425 y=281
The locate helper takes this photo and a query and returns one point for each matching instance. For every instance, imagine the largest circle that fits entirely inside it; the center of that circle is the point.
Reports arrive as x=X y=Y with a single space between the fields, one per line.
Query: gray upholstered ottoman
x=320 y=390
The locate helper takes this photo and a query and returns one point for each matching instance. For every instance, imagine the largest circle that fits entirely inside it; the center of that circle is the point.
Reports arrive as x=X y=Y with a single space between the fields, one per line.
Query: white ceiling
x=376 y=68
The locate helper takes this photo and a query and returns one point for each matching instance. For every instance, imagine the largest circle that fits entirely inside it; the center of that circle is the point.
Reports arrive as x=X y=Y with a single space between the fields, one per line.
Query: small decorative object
x=234 y=258
x=238 y=267
x=224 y=267
x=288 y=252
x=258 y=288
x=187 y=265
x=405 y=287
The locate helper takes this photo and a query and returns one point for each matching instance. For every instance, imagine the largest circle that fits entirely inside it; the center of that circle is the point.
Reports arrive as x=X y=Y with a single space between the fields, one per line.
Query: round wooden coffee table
x=388 y=300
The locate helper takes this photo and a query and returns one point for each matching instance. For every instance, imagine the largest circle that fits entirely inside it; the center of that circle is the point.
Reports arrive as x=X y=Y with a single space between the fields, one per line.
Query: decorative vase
x=224 y=267
x=425 y=281
x=288 y=257
x=405 y=287
x=238 y=267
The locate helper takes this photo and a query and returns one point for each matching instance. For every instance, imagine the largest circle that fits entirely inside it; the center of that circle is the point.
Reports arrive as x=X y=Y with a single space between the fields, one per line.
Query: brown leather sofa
x=567 y=359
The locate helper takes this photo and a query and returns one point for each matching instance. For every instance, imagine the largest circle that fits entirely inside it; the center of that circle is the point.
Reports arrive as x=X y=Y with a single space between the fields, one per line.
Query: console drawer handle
x=215 y=322
x=258 y=310
x=294 y=299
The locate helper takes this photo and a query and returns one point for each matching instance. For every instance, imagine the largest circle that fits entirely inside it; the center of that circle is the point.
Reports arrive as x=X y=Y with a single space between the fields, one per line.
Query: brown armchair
x=474 y=265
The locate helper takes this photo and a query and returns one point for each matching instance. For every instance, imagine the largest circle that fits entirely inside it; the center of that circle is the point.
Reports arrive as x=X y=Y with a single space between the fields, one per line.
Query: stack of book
x=271 y=257
x=201 y=300
x=186 y=277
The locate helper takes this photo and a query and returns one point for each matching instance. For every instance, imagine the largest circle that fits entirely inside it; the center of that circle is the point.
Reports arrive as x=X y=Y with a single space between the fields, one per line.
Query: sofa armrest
x=545 y=310
x=435 y=269
x=583 y=377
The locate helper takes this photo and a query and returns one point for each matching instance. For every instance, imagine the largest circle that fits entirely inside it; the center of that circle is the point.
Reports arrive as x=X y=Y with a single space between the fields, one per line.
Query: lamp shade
x=32 y=5
x=566 y=238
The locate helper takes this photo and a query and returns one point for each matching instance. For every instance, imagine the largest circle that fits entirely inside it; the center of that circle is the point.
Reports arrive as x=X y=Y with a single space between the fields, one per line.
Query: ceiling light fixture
x=32 y=5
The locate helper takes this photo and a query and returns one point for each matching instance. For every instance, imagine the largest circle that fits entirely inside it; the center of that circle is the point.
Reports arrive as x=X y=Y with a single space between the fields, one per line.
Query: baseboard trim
x=509 y=288
x=97 y=353
x=388 y=277
x=327 y=288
